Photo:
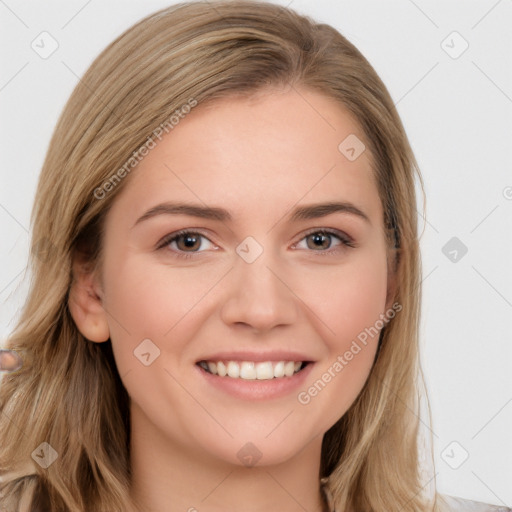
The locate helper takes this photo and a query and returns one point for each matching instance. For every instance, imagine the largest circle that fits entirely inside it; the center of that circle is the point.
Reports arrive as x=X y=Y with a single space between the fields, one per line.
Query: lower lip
x=257 y=389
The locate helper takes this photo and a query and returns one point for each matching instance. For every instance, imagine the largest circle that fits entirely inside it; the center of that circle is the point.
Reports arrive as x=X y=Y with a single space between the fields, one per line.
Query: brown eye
x=319 y=240
x=188 y=242
x=325 y=241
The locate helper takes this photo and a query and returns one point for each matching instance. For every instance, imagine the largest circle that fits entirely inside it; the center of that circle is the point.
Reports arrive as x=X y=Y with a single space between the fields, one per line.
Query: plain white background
x=448 y=67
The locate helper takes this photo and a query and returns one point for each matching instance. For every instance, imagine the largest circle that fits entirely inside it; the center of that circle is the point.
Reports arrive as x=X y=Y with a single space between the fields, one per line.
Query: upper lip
x=273 y=356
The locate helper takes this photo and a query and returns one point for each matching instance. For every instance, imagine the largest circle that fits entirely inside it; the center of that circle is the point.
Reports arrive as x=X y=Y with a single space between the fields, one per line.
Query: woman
x=225 y=302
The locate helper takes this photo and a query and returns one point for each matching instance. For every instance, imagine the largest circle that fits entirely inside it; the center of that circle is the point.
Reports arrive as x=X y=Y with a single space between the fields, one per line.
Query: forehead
x=275 y=149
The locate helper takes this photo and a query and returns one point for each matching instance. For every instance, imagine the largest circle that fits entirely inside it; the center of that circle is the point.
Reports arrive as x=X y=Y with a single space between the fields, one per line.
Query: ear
x=85 y=303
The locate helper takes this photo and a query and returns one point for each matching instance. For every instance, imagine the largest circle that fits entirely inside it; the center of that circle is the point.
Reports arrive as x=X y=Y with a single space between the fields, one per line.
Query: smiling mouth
x=250 y=370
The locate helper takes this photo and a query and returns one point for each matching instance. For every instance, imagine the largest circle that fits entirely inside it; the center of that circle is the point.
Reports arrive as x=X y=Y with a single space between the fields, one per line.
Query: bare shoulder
x=453 y=504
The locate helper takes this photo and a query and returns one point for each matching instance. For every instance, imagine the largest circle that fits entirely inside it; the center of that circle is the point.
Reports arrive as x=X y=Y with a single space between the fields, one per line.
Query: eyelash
x=346 y=241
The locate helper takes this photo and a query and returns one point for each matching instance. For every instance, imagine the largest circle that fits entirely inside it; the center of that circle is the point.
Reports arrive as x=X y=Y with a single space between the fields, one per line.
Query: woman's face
x=285 y=262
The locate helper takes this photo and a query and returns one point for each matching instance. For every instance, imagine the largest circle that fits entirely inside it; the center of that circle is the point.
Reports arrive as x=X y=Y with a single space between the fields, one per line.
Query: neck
x=168 y=477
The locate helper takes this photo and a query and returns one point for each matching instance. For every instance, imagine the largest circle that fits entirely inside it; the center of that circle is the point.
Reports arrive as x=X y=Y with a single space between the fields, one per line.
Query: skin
x=10 y=361
x=258 y=158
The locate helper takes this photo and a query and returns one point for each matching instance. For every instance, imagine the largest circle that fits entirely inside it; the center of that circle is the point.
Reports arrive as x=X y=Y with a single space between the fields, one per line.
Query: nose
x=258 y=296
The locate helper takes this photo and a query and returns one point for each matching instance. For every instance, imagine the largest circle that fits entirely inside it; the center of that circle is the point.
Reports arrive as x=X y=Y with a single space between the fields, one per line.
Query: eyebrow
x=313 y=211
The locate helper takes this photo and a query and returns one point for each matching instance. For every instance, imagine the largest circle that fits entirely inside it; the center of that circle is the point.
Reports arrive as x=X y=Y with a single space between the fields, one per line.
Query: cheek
x=347 y=298
x=348 y=302
x=147 y=300
x=357 y=303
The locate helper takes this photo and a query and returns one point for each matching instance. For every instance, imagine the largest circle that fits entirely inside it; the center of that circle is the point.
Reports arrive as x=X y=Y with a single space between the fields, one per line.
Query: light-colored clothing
x=449 y=504
x=461 y=505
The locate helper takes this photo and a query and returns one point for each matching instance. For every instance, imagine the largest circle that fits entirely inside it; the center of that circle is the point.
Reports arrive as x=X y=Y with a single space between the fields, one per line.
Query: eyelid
x=167 y=239
x=330 y=231
x=345 y=239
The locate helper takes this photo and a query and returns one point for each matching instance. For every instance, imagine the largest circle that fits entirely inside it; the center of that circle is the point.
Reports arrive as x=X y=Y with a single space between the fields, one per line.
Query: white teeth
x=221 y=369
x=279 y=369
x=233 y=370
x=264 y=371
x=289 y=368
x=249 y=370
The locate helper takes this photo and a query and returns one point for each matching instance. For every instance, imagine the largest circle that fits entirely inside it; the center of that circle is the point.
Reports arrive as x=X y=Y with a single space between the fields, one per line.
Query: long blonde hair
x=68 y=392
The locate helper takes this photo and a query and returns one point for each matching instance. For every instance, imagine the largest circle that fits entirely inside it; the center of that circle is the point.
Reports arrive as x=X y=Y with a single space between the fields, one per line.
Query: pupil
x=189 y=241
x=320 y=240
